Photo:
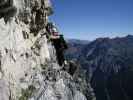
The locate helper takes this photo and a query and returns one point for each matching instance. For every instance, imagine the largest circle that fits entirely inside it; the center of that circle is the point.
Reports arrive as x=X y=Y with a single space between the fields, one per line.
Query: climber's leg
x=60 y=57
x=59 y=52
x=62 y=40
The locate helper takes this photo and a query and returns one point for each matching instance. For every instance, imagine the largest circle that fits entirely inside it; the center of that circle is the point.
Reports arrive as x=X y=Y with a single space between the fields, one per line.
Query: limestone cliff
x=28 y=65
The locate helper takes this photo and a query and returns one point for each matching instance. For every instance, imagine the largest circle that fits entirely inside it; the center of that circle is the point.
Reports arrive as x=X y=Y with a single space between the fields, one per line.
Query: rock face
x=28 y=65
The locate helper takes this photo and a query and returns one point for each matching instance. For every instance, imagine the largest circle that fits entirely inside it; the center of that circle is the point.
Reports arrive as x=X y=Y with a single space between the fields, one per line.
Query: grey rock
x=29 y=69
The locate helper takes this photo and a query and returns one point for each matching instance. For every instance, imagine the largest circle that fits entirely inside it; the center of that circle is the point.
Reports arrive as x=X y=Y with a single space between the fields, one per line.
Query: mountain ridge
x=109 y=64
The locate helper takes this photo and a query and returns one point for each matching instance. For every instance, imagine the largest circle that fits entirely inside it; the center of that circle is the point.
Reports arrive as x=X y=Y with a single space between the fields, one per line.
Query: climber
x=7 y=9
x=58 y=42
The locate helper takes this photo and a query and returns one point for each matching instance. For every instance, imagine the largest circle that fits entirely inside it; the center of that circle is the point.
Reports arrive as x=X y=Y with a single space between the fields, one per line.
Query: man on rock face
x=58 y=42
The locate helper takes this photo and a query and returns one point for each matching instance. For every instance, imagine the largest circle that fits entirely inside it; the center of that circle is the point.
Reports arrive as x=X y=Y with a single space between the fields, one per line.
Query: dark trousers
x=59 y=51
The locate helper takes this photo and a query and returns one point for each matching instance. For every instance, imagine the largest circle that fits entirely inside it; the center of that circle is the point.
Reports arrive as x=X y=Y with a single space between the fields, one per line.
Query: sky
x=91 y=19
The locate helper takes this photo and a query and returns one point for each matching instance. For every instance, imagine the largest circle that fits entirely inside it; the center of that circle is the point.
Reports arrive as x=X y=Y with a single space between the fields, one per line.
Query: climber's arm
x=54 y=37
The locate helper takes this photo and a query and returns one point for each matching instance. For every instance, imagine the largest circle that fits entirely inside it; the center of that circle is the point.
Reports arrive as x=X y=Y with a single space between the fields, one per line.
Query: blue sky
x=90 y=19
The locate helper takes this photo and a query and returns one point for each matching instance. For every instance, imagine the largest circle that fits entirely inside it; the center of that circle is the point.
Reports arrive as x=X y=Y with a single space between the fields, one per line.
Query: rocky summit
x=28 y=63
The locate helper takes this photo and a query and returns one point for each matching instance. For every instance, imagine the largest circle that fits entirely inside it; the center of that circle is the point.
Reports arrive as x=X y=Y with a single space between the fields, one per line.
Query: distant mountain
x=109 y=63
x=75 y=47
x=77 y=41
